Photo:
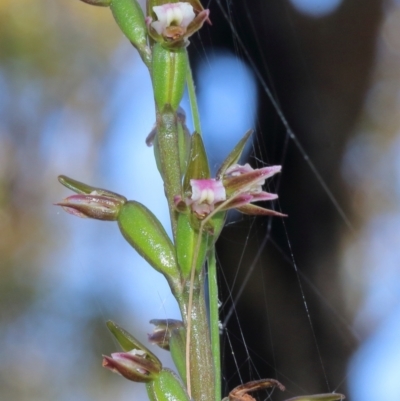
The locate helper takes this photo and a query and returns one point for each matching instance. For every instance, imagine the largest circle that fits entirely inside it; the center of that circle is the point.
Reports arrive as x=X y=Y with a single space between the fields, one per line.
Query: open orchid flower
x=238 y=188
x=175 y=23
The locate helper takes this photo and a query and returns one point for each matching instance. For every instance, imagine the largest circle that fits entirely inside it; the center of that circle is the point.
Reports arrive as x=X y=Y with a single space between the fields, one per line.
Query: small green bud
x=130 y=18
x=145 y=233
x=169 y=76
x=166 y=387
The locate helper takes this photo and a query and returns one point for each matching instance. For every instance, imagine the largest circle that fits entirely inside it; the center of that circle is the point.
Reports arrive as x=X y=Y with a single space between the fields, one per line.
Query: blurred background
x=316 y=297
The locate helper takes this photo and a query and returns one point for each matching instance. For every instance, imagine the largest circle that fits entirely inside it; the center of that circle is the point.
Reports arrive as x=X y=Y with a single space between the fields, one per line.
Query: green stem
x=193 y=99
x=214 y=320
x=200 y=378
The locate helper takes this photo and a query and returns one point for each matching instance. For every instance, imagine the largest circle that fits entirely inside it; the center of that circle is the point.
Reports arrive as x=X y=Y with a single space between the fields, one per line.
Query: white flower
x=172 y=14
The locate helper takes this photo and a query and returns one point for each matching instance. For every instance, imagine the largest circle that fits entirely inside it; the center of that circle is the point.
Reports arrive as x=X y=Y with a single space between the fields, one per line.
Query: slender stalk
x=200 y=375
x=190 y=324
x=193 y=99
x=214 y=320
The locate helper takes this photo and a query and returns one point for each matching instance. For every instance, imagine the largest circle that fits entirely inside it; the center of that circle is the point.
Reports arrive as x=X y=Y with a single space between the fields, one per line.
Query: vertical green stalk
x=193 y=99
x=202 y=377
x=214 y=320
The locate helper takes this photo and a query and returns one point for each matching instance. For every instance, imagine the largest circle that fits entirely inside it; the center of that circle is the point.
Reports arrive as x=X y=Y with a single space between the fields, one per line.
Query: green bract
x=198 y=163
x=235 y=154
x=145 y=233
x=166 y=387
x=81 y=188
x=130 y=18
x=187 y=239
x=177 y=344
x=169 y=76
x=127 y=341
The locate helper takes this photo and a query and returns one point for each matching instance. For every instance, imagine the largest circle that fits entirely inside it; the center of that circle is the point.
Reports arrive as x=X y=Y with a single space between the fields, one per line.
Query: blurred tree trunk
x=319 y=72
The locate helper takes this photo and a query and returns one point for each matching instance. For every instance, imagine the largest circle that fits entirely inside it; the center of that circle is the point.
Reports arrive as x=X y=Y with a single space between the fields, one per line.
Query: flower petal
x=259 y=211
x=244 y=177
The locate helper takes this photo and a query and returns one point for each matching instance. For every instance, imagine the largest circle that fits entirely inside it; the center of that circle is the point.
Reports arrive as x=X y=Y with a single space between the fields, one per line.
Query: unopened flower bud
x=137 y=363
x=163 y=330
x=133 y=365
x=99 y=207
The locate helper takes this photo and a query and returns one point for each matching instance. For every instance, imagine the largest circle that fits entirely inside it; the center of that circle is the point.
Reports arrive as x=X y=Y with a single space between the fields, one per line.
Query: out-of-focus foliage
x=56 y=67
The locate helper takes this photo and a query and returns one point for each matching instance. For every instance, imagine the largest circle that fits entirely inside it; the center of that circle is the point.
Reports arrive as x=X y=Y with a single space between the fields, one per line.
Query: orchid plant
x=197 y=204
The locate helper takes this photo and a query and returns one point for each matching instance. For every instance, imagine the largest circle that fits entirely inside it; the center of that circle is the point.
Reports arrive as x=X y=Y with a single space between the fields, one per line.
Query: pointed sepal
x=234 y=156
x=198 y=167
x=81 y=188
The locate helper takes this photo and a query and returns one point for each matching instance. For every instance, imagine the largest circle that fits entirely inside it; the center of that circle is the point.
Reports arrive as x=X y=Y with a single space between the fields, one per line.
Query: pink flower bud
x=99 y=207
x=133 y=365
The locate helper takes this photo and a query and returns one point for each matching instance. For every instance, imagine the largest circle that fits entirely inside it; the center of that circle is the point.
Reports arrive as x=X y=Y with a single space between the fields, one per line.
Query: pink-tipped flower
x=244 y=186
x=133 y=365
x=175 y=23
x=99 y=207
x=238 y=188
